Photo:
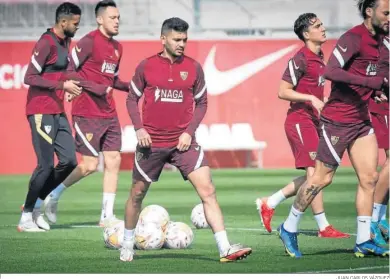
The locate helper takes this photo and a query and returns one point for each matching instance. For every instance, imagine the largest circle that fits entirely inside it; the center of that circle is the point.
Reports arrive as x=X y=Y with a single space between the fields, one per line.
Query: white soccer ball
x=155 y=214
x=178 y=236
x=198 y=218
x=113 y=235
x=148 y=236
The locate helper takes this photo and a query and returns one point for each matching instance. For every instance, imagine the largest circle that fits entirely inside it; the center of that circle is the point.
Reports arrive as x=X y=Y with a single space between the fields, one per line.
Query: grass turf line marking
x=233 y=229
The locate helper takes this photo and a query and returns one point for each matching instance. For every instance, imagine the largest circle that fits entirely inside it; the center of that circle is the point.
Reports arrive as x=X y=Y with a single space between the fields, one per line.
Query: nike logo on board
x=219 y=82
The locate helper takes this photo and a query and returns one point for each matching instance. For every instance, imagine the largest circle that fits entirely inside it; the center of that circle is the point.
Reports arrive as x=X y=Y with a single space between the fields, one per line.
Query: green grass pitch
x=75 y=244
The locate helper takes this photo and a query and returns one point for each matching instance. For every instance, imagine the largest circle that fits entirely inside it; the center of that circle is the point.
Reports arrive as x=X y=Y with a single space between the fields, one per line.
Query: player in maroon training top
x=50 y=129
x=95 y=63
x=303 y=85
x=175 y=102
x=379 y=112
x=345 y=125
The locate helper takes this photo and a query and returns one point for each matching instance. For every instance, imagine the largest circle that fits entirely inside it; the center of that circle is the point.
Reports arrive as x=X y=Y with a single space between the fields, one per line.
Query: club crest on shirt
x=89 y=136
x=371 y=69
x=183 y=75
x=47 y=129
x=313 y=155
x=334 y=139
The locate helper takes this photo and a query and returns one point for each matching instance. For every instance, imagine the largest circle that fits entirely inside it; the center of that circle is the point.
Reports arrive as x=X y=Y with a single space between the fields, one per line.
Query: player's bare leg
x=365 y=165
x=112 y=162
x=86 y=167
x=288 y=231
x=266 y=205
x=379 y=226
x=201 y=180
x=132 y=211
x=325 y=230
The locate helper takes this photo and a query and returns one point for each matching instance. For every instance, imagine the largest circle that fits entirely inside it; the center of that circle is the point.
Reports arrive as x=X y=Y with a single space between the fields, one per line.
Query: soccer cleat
x=384 y=227
x=39 y=220
x=290 y=242
x=331 y=232
x=109 y=222
x=265 y=212
x=370 y=248
x=376 y=234
x=28 y=226
x=127 y=251
x=234 y=253
x=50 y=206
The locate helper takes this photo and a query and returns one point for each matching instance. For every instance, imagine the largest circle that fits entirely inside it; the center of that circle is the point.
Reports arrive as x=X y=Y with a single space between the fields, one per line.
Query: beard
x=69 y=34
x=379 y=29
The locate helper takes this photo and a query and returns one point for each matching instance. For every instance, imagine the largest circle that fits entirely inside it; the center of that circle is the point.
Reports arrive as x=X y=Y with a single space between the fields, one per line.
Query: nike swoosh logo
x=36 y=53
x=219 y=82
x=78 y=49
x=343 y=49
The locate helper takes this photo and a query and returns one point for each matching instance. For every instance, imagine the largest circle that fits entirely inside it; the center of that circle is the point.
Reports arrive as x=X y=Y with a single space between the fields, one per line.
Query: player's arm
x=347 y=47
x=296 y=68
x=37 y=63
x=118 y=83
x=137 y=86
x=79 y=54
x=200 y=97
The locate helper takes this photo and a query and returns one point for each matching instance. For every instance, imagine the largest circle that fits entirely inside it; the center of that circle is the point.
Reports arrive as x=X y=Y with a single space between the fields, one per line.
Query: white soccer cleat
x=28 y=226
x=39 y=220
x=109 y=222
x=50 y=206
x=127 y=251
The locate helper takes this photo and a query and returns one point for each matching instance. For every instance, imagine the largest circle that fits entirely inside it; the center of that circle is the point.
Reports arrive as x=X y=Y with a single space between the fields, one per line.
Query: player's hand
x=317 y=103
x=144 y=139
x=184 y=142
x=109 y=89
x=380 y=97
x=71 y=86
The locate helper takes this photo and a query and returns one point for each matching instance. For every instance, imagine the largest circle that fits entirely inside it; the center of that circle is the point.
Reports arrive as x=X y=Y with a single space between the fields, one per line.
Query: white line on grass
x=233 y=229
x=263 y=230
x=346 y=269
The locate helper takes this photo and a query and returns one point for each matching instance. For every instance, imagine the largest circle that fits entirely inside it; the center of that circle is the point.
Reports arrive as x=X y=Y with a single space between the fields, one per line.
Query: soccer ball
x=198 y=218
x=154 y=214
x=178 y=236
x=113 y=236
x=148 y=236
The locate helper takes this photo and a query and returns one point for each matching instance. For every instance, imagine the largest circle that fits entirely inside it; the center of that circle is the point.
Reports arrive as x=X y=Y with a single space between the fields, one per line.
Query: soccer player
x=379 y=112
x=175 y=102
x=95 y=63
x=303 y=85
x=345 y=125
x=50 y=129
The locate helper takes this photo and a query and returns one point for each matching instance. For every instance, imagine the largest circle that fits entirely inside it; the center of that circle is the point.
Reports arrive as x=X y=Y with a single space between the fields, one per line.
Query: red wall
x=254 y=100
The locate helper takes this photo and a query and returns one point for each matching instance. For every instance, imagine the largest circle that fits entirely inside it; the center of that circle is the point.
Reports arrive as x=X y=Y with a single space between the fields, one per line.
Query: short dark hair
x=174 y=23
x=364 y=4
x=67 y=9
x=303 y=22
x=103 y=5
